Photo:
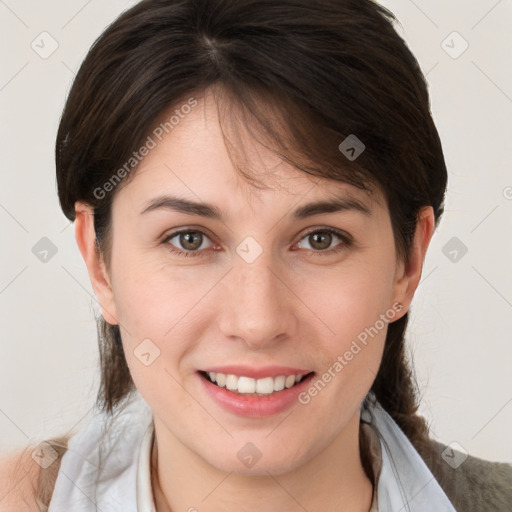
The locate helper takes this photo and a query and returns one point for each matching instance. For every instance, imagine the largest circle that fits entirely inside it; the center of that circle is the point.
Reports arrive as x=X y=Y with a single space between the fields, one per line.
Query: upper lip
x=257 y=373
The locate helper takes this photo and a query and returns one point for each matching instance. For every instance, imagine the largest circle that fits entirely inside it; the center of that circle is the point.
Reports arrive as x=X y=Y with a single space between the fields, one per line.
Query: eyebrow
x=207 y=210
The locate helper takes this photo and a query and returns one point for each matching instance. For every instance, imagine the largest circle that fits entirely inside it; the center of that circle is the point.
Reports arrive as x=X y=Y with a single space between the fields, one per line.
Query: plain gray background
x=462 y=315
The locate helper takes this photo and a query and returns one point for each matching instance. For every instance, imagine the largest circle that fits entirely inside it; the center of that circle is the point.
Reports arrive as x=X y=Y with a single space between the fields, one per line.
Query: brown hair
x=328 y=69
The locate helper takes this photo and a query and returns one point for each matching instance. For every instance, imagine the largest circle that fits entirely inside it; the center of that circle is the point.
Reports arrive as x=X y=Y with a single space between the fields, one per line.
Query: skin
x=292 y=306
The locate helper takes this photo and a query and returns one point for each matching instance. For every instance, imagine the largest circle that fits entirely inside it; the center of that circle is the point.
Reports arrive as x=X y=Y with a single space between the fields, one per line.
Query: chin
x=251 y=461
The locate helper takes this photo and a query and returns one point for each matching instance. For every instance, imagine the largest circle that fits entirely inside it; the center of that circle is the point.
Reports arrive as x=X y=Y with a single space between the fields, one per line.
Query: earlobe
x=409 y=274
x=100 y=280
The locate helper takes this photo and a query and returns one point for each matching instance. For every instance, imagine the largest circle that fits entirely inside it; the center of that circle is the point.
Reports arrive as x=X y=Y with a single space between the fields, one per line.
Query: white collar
x=145 y=499
x=405 y=484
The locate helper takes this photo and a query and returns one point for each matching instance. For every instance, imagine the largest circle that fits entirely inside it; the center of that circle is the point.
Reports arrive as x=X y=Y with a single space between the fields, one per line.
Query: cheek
x=357 y=311
x=152 y=298
x=356 y=307
x=160 y=313
x=355 y=298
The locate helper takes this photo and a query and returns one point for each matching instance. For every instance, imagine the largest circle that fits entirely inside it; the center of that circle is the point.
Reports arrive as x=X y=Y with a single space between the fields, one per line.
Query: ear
x=100 y=280
x=408 y=275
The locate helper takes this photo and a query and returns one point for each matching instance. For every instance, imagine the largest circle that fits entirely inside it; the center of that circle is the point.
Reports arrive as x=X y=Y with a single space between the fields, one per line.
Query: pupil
x=187 y=240
x=318 y=237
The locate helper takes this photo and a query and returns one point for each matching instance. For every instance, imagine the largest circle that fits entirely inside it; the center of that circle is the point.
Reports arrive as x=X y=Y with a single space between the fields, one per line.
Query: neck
x=333 y=480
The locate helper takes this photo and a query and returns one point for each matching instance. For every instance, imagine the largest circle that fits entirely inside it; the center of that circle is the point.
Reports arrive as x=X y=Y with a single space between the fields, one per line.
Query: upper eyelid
x=338 y=232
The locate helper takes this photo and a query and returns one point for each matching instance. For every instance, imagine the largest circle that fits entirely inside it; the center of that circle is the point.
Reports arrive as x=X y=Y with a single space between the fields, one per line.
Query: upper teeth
x=248 y=385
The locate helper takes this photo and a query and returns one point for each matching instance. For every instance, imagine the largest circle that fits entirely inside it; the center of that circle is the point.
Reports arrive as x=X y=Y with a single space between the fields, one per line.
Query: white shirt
x=123 y=444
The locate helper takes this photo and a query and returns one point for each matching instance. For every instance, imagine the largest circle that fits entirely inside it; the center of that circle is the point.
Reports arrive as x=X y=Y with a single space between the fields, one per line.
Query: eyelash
x=346 y=242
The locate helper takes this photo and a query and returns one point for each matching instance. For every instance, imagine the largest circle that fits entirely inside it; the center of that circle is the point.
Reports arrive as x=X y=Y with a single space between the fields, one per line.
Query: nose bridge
x=258 y=309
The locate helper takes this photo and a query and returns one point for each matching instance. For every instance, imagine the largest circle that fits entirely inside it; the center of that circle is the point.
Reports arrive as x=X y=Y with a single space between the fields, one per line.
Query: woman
x=254 y=186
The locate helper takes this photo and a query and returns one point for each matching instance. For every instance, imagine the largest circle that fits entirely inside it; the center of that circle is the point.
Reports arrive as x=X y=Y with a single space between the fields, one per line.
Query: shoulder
x=472 y=484
x=18 y=480
x=27 y=476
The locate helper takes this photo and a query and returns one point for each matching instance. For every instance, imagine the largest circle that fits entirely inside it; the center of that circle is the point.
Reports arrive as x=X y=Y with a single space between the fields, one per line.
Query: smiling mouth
x=254 y=387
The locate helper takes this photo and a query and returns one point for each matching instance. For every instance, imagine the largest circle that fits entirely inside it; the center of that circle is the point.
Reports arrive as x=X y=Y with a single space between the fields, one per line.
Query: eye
x=190 y=240
x=321 y=239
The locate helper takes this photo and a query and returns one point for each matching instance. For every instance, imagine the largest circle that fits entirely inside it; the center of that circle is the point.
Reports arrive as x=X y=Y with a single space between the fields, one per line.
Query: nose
x=258 y=305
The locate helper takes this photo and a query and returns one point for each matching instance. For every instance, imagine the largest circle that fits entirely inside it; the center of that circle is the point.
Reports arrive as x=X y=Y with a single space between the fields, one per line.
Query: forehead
x=201 y=157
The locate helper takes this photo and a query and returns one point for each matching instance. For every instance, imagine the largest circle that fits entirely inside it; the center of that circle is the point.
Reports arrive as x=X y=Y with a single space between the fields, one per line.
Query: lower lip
x=255 y=406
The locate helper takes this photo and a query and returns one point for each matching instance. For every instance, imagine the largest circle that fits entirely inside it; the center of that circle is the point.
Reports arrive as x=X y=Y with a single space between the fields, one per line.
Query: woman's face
x=269 y=288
